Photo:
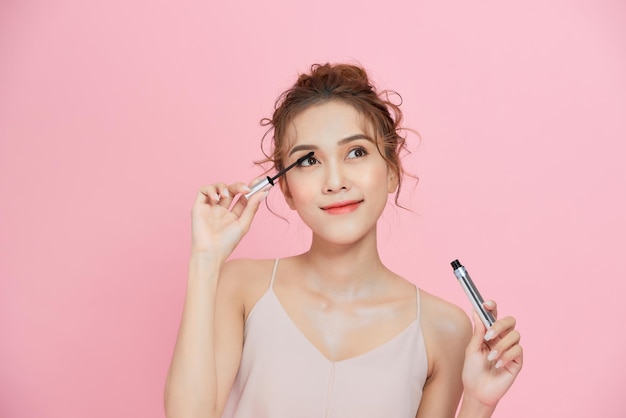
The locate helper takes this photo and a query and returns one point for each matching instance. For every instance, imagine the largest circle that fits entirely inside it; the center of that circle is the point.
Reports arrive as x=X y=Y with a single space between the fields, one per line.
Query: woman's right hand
x=217 y=224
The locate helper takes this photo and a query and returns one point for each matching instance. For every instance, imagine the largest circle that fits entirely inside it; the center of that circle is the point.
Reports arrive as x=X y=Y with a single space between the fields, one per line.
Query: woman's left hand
x=493 y=359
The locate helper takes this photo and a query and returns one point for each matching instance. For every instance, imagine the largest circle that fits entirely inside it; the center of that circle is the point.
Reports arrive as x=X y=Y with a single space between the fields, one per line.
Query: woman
x=331 y=332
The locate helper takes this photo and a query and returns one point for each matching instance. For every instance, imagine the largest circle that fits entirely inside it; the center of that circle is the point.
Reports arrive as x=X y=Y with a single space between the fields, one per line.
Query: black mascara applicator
x=270 y=180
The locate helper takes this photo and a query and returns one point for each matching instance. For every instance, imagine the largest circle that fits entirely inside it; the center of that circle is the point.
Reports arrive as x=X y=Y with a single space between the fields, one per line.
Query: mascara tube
x=270 y=180
x=472 y=293
x=259 y=186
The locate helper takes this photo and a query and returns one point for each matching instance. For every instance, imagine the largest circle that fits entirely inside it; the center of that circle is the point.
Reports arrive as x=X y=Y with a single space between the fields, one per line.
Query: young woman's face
x=341 y=191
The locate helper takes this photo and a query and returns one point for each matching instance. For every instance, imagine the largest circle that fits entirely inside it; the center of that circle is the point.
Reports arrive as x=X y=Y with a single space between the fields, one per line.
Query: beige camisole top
x=283 y=375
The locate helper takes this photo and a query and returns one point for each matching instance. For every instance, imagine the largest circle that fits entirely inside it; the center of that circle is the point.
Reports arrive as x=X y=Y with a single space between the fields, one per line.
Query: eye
x=308 y=162
x=357 y=153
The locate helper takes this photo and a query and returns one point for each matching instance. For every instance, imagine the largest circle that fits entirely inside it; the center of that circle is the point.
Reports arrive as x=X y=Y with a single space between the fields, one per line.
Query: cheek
x=388 y=178
x=299 y=188
x=302 y=190
x=375 y=178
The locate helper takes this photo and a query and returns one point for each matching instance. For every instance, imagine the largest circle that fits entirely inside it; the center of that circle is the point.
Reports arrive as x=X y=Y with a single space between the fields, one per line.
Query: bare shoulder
x=447 y=330
x=245 y=280
x=245 y=269
x=442 y=321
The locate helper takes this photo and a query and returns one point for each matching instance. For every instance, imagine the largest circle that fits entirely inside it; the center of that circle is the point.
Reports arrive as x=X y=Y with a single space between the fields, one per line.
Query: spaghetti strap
x=273 y=274
x=417 y=297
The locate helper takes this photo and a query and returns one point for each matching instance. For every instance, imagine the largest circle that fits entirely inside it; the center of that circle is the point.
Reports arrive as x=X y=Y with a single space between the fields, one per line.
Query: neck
x=344 y=270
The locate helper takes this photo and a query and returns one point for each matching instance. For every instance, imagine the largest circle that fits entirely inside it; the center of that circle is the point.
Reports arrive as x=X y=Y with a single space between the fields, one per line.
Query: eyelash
x=308 y=161
x=360 y=149
x=312 y=160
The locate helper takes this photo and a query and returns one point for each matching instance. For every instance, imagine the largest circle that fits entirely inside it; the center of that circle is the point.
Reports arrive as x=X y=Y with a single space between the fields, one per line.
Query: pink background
x=112 y=113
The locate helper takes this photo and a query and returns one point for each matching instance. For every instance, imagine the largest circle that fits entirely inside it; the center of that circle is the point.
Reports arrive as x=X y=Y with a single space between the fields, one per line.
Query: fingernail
x=492 y=354
x=246 y=189
x=489 y=335
x=225 y=193
x=490 y=303
x=216 y=197
x=499 y=364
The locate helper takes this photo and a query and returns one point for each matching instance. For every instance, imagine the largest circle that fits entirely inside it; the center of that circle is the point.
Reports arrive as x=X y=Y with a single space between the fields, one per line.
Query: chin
x=345 y=234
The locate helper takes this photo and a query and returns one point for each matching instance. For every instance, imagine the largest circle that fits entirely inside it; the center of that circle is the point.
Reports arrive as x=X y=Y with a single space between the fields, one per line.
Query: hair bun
x=336 y=75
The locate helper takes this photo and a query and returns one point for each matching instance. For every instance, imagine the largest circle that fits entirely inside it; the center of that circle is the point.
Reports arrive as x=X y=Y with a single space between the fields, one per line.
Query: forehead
x=329 y=121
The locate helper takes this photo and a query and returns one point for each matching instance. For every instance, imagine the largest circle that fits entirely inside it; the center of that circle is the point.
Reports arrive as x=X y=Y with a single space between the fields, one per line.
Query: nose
x=335 y=179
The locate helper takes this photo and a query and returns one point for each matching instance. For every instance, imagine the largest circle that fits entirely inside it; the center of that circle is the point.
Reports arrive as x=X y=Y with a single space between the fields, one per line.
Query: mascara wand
x=270 y=180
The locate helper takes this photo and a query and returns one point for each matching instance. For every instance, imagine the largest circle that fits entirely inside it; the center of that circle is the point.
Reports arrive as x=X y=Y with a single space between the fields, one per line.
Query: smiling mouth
x=342 y=207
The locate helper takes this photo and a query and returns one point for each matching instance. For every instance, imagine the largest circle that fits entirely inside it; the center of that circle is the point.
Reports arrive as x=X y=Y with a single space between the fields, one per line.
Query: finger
x=478 y=336
x=492 y=307
x=225 y=197
x=241 y=203
x=514 y=355
x=207 y=194
x=220 y=193
x=260 y=184
x=500 y=327
x=251 y=207
x=502 y=350
x=237 y=188
x=256 y=181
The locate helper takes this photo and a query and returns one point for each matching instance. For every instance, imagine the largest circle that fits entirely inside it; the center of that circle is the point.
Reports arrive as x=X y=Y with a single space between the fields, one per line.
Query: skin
x=338 y=293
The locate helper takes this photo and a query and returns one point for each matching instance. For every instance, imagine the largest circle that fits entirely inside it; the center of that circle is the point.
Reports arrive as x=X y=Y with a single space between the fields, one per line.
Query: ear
x=284 y=187
x=392 y=181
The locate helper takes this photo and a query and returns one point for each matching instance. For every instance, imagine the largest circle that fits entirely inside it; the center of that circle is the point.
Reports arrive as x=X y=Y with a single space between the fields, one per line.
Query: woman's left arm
x=493 y=359
x=447 y=332
x=460 y=362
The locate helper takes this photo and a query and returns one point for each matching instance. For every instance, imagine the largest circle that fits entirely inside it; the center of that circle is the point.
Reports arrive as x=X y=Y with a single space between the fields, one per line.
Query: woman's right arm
x=207 y=355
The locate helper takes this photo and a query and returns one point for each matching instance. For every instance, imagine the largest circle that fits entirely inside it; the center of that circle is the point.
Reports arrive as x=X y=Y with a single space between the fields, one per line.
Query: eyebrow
x=306 y=147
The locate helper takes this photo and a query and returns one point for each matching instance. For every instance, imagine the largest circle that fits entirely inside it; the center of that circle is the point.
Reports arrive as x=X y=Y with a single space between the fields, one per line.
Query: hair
x=348 y=84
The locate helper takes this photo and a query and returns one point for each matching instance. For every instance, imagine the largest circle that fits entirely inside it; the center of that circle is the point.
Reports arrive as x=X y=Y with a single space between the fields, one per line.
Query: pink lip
x=340 y=208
